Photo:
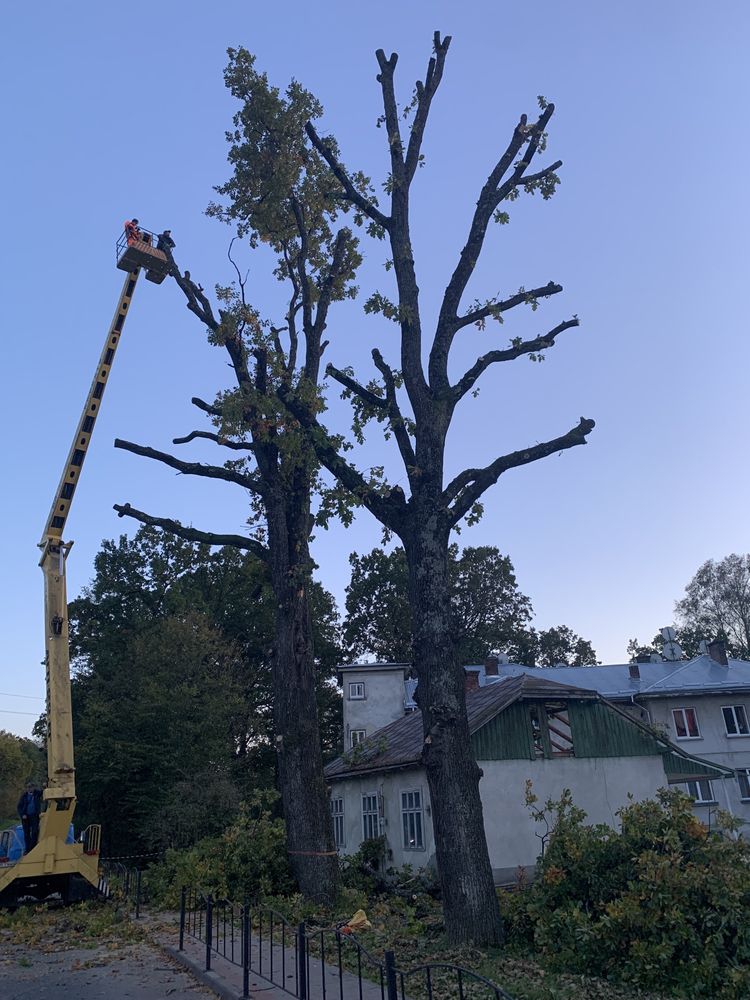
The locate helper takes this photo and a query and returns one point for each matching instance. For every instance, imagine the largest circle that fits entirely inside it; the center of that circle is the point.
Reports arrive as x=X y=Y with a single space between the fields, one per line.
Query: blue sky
x=121 y=110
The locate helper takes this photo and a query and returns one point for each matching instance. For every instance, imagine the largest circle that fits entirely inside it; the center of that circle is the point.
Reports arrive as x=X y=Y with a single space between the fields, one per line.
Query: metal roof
x=701 y=675
x=400 y=743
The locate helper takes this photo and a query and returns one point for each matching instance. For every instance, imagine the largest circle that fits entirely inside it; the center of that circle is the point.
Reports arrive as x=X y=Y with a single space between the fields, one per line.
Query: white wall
x=600 y=786
x=714 y=745
x=383 y=702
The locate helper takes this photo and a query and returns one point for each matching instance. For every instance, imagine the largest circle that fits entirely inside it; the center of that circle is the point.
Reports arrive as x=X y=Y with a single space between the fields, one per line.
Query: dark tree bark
x=424 y=521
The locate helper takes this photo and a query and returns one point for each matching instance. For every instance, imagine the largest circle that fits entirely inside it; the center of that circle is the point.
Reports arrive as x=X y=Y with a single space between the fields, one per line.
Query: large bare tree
x=420 y=421
x=276 y=196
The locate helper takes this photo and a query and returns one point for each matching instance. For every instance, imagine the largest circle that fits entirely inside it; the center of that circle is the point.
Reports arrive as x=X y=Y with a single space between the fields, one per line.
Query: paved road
x=132 y=972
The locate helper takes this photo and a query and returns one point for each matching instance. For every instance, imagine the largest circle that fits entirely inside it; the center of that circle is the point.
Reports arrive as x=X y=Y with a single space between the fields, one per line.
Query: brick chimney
x=491 y=666
x=635 y=671
x=471 y=680
x=718 y=652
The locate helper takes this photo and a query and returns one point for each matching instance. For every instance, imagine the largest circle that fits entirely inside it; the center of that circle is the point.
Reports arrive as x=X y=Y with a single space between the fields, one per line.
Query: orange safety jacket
x=132 y=232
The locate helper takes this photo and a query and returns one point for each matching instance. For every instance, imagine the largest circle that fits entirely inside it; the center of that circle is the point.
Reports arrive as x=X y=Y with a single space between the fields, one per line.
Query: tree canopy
x=489 y=612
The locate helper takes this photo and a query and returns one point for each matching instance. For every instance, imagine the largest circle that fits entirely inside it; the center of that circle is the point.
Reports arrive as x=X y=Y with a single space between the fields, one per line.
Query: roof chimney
x=643 y=658
x=718 y=652
x=471 y=680
x=635 y=671
x=491 y=664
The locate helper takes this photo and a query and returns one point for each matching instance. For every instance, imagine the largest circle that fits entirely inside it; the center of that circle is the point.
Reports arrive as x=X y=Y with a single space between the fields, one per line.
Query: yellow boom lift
x=54 y=865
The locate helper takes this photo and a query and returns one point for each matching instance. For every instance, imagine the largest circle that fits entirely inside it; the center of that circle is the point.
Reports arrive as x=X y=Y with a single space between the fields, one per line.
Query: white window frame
x=370 y=816
x=337 y=812
x=695 y=791
x=357 y=691
x=735 y=710
x=356 y=736
x=743 y=775
x=683 y=712
x=412 y=819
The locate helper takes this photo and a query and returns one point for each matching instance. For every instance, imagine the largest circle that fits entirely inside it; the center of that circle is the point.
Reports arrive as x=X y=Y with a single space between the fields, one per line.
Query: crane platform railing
x=143 y=252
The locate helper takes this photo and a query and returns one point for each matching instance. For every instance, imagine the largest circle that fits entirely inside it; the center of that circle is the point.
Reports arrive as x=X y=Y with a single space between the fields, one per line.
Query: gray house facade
x=523 y=729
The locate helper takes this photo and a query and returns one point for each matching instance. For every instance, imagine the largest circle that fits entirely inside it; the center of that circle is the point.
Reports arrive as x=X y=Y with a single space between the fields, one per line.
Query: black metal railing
x=120 y=882
x=325 y=963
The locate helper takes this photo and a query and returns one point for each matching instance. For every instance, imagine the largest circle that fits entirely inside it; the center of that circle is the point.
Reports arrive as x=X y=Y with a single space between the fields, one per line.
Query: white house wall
x=600 y=786
x=383 y=702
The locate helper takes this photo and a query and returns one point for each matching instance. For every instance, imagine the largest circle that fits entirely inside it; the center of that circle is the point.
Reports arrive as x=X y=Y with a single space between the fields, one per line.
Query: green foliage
x=488 y=611
x=716 y=605
x=172 y=690
x=248 y=860
x=660 y=904
x=21 y=760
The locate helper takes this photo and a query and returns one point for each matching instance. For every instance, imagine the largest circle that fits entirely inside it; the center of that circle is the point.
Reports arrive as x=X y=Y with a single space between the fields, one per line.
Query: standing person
x=29 y=809
x=132 y=232
x=165 y=241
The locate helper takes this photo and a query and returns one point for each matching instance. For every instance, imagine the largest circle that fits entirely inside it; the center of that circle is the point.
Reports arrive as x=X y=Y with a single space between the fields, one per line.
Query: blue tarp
x=16 y=841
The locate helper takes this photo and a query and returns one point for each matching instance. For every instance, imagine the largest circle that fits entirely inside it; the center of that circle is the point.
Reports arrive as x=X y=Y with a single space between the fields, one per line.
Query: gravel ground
x=135 y=971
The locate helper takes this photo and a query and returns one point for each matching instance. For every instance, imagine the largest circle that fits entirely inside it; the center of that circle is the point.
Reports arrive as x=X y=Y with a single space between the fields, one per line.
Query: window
x=550 y=730
x=743 y=777
x=357 y=736
x=356 y=690
x=370 y=823
x=735 y=720
x=337 y=811
x=686 y=723
x=411 y=820
x=700 y=790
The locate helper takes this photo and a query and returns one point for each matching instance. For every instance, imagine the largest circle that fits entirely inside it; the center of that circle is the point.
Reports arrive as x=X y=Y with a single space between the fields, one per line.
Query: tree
x=558 y=646
x=278 y=196
x=172 y=692
x=716 y=605
x=420 y=424
x=21 y=760
x=488 y=610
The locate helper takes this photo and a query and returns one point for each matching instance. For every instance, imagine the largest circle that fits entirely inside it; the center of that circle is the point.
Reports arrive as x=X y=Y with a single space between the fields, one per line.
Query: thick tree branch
x=193 y=534
x=251 y=483
x=393 y=128
x=504 y=305
x=540 y=343
x=378 y=402
x=470 y=484
x=218 y=438
x=341 y=175
x=491 y=194
x=396 y=418
x=388 y=508
x=425 y=93
x=213 y=411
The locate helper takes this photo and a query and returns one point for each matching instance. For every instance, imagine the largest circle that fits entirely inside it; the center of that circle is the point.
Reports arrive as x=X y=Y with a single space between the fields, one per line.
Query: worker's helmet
x=135 y=221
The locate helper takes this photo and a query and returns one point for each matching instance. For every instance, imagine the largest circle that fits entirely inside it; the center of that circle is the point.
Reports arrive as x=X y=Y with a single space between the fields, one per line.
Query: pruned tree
x=278 y=196
x=416 y=404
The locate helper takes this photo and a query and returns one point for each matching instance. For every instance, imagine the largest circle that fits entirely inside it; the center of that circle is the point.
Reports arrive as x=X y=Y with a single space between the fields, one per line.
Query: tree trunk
x=304 y=796
x=469 y=901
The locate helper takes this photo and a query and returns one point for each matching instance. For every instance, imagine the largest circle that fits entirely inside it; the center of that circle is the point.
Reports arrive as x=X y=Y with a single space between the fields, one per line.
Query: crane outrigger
x=56 y=865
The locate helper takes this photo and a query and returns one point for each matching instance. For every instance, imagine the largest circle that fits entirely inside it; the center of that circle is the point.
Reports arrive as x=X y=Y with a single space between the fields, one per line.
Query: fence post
x=183 y=894
x=209 y=929
x=390 y=976
x=245 y=950
x=302 y=961
x=138 y=895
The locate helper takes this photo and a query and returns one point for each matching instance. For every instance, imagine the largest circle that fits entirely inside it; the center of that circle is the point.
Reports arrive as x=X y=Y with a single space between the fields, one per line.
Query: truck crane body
x=54 y=865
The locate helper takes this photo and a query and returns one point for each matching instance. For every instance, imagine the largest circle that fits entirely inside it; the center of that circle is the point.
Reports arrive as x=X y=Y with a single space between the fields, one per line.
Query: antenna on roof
x=671 y=649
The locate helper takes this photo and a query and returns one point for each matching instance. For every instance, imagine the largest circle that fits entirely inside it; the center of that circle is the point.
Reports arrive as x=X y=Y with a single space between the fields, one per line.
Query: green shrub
x=249 y=860
x=661 y=904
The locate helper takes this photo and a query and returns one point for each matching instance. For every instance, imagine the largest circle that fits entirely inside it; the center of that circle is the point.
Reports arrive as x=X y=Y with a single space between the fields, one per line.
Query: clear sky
x=116 y=110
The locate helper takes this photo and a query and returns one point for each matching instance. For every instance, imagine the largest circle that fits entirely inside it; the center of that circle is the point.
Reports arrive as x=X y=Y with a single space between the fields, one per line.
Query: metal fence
x=311 y=963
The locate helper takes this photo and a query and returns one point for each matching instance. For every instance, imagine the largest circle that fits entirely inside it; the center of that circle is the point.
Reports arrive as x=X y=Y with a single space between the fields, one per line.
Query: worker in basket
x=132 y=232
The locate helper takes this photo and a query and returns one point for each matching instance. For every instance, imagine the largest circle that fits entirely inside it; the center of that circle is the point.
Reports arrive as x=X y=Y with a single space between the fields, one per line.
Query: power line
x=10 y=711
x=10 y=694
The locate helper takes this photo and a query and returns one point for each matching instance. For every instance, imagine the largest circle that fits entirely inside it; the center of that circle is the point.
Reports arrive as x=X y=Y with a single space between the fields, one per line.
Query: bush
x=249 y=860
x=662 y=903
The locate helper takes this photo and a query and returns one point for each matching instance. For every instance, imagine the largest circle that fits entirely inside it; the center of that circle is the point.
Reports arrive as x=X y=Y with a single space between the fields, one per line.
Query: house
x=701 y=704
x=522 y=728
